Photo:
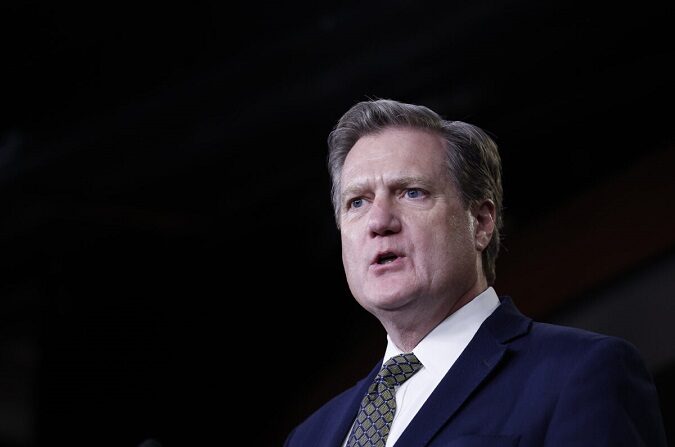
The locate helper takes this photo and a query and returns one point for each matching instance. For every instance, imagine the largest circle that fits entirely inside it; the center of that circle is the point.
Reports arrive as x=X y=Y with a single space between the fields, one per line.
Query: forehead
x=396 y=151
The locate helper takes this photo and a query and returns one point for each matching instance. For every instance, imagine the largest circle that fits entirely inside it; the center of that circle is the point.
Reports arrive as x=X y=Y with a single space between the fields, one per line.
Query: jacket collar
x=341 y=425
x=485 y=351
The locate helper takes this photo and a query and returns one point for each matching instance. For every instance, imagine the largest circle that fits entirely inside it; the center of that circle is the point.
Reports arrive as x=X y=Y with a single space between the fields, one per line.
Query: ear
x=484 y=216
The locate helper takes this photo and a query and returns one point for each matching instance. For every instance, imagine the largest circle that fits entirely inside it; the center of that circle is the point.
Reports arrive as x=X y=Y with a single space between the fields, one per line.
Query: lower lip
x=396 y=264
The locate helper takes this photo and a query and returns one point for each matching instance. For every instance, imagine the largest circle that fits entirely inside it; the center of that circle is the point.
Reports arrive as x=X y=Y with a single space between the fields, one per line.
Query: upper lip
x=382 y=253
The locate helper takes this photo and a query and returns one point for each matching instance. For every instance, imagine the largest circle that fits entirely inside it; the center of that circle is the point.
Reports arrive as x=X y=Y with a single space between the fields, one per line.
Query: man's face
x=408 y=243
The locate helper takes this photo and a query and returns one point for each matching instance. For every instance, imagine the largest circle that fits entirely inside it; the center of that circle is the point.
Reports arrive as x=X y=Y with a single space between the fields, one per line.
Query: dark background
x=168 y=253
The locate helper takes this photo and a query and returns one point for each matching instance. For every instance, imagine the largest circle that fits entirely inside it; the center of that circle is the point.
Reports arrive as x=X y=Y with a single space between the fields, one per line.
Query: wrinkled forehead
x=399 y=151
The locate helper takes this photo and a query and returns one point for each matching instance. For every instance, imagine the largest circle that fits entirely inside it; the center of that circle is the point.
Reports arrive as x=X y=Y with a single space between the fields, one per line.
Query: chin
x=387 y=301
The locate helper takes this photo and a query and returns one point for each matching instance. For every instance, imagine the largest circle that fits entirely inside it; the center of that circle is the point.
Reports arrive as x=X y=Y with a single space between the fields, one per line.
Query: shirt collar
x=452 y=334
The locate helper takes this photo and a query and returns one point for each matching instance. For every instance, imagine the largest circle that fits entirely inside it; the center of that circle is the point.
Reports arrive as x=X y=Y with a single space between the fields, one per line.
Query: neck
x=407 y=328
x=406 y=340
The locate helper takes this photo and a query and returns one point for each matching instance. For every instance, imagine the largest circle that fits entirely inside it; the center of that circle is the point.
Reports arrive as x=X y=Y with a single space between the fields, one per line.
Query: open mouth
x=386 y=258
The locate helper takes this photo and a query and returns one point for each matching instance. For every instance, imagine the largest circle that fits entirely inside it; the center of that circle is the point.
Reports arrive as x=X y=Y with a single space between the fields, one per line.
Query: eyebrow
x=398 y=183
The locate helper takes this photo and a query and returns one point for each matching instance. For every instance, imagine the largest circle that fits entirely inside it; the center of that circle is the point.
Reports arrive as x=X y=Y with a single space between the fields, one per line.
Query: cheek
x=352 y=272
x=436 y=252
x=349 y=253
x=443 y=246
x=435 y=234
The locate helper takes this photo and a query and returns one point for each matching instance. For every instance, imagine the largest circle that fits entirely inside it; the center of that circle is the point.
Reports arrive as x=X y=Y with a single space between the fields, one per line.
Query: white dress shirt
x=438 y=351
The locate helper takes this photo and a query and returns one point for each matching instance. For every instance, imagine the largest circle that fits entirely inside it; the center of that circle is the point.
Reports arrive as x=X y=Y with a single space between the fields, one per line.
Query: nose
x=383 y=218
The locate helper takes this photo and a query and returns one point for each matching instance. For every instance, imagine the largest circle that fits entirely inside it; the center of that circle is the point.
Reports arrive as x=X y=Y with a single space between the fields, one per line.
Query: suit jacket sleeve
x=608 y=400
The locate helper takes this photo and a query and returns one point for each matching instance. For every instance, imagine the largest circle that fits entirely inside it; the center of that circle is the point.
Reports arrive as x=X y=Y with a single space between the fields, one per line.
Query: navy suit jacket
x=520 y=383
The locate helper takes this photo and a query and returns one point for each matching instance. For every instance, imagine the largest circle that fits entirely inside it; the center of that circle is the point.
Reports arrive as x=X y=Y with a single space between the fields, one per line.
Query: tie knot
x=398 y=369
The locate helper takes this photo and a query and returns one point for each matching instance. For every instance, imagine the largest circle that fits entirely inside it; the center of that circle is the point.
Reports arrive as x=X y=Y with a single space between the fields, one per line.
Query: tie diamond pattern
x=379 y=405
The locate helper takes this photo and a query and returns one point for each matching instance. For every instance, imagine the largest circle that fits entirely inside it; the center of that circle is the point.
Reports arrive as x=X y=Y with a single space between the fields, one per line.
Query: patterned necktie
x=379 y=405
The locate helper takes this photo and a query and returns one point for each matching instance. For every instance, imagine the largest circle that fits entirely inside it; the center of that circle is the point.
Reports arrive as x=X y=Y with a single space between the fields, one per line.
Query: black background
x=168 y=248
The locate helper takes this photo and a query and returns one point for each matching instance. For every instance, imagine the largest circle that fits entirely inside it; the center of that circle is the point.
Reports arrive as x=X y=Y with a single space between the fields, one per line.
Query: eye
x=414 y=193
x=356 y=203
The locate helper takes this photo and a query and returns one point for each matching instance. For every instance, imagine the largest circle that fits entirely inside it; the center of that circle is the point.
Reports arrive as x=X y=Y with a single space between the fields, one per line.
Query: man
x=418 y=203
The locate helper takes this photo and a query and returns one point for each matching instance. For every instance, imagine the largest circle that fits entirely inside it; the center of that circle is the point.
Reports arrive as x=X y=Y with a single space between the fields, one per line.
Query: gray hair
x=473 y=160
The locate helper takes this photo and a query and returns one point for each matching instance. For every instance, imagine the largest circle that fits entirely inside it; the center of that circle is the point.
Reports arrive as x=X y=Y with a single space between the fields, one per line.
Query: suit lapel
x=341 y=422
x=486 y=350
